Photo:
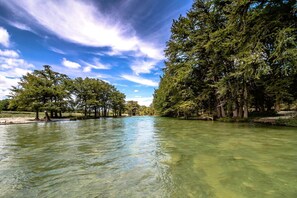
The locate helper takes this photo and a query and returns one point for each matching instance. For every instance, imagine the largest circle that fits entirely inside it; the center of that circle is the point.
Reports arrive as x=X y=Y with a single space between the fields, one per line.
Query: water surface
x=147 y=157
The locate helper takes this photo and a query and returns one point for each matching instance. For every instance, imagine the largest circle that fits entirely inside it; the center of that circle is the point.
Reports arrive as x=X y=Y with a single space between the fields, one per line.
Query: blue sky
x=119 y=41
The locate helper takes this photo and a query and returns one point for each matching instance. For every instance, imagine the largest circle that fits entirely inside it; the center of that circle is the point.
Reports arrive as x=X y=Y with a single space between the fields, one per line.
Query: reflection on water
x=147 y=157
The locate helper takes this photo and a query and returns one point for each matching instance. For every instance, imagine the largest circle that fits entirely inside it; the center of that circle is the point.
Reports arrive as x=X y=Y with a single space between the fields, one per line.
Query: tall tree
x=40 y=90
x=227 y=57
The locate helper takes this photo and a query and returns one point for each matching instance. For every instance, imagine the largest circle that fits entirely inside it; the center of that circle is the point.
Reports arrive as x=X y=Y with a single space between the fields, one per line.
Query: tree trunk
x=246 y=102
x=236 y=110
x=277 y=104
x=52 y=114
x=223 y=113
x=240 y=110
x=86 y=111
x=60 y=114
x=47 y=118
x=104 y=112
x=37 y=114
x=95 y=112
x=262 y=108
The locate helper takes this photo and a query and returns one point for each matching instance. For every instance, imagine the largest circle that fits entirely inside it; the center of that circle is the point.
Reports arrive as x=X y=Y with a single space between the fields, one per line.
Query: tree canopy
x=226 y=58
x=54 y=92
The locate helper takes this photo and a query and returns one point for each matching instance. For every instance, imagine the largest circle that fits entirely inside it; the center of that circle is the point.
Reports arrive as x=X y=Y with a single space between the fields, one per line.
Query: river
x=147 y=157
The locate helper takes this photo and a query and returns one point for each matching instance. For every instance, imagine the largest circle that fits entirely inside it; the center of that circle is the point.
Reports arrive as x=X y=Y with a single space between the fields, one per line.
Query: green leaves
x=54 y=92
x=225 y=51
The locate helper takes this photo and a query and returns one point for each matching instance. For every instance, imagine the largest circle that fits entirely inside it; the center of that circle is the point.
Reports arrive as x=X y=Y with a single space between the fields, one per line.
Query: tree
x=96 y=95
x=40 y=90
x=132 y=108
x=4 y=104
x=228 y=57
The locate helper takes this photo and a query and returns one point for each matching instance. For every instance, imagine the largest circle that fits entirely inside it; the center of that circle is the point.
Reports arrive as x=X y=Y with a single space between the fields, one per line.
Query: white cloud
x=113 y=52
x=5 y=85
x=142 y=100
x=96 y=64
x=4 y=37
x=70 y=64
x=136 y=91
x=11 y=69
x=87 y=69
x=14 y=73
x=143 y=66
x=9 y=53
x=10 y=63
x=120 y=85
x=58 y=51
x=140 y=80
x=82 y=23
x=20 y=26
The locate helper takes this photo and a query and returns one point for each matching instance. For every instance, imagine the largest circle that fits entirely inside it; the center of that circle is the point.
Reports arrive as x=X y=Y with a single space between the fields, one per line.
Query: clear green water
x=147 y=157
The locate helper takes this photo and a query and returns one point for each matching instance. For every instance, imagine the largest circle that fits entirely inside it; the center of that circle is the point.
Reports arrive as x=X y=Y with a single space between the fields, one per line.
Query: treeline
x=227 y=58
x=134 y=109
x=53 y=92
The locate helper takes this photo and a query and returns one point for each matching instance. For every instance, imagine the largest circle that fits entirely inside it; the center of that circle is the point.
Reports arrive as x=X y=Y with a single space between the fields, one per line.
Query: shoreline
x=272 y=121
x=29 y=120
x=17 y=120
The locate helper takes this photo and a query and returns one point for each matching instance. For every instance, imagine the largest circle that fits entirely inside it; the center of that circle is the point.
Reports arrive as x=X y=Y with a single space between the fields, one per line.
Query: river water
x=147 y=157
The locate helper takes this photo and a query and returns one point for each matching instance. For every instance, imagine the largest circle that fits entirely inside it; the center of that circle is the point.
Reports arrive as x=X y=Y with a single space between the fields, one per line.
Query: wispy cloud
x=139 y=80
x=82 y=23
x=96 y=64
x=58 y=51
x=9 y=53
x=5 y=85
x=70 y=64
x=12 y=67
x=20 y=26
x=4 y=37
x=13 y=62
x=140 y=66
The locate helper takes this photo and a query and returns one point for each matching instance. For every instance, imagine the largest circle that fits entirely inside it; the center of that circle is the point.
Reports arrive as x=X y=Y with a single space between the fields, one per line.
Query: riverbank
x=28 y=120
x=16 y=120
x=282 y=118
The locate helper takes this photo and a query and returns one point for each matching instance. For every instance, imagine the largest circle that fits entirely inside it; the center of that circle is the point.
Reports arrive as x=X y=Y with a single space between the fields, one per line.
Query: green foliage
x=132 y=108
x=146 y=111
x=287 y=122
x=225 y=58
x=56 y=93
x=41 y=90
x=4 y=104
x=98 y=96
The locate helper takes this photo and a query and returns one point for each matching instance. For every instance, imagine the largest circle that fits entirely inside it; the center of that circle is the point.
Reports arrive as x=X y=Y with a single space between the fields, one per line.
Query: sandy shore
x=26 y=120
x=16 y=120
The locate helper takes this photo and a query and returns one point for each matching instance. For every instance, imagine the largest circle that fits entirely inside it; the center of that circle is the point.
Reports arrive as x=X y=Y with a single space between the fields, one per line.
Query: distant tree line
x=47 y=90
x=227 y=58
x=134 y=109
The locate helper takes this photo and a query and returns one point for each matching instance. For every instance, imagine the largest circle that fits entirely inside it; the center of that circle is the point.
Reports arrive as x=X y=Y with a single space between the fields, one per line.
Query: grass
x=287 y=122
x=228 y=119
x=15 y=114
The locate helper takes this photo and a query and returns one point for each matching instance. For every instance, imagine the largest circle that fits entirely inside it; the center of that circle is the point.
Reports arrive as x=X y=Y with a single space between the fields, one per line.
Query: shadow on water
x=147 y=157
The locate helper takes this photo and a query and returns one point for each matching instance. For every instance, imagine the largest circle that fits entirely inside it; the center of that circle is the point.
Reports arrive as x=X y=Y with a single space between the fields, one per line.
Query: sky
x=119 y=41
